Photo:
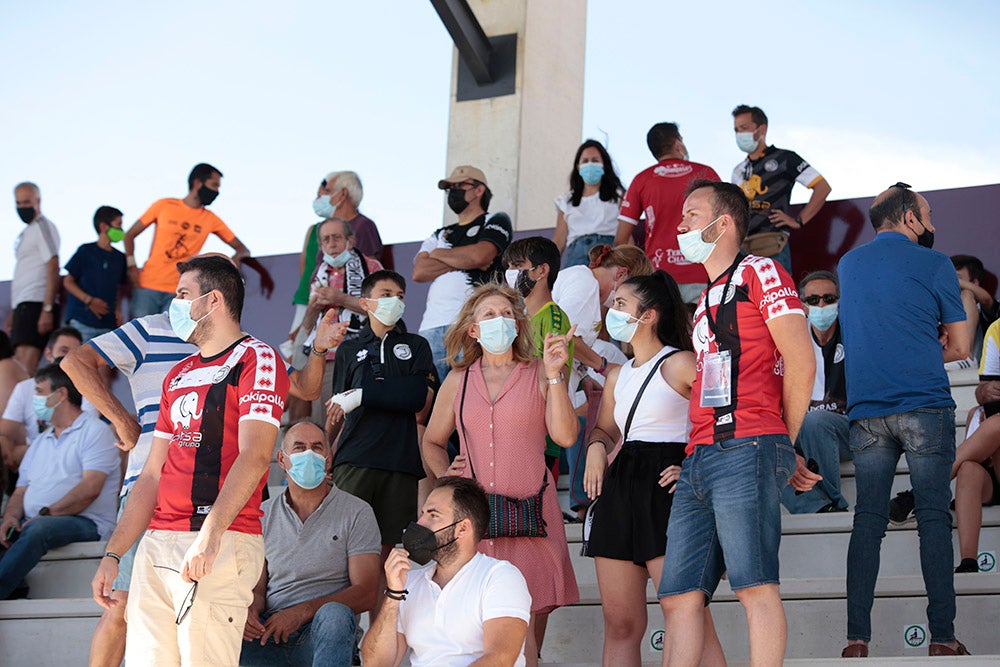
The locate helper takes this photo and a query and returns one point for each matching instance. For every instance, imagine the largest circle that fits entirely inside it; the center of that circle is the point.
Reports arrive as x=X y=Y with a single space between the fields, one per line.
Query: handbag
x=509 y=517
x=765 y=244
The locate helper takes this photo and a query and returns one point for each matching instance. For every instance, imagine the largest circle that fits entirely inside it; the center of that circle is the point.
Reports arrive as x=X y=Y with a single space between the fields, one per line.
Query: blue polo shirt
x=894 y=294
x=99 y=273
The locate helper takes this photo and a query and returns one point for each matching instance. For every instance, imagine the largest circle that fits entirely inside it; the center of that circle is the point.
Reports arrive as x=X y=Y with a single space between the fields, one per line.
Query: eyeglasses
x=188 y=600
x=814 y=299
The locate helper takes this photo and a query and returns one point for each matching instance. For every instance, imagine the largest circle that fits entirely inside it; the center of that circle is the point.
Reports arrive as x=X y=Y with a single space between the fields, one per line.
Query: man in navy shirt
x=895 y=293
x=94 y=276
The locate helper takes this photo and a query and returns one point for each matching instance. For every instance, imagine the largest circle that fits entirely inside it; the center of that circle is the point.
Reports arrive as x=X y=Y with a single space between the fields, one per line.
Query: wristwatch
x=45 y=511
x=555 y=380
x=47 y=308
x=798 y=219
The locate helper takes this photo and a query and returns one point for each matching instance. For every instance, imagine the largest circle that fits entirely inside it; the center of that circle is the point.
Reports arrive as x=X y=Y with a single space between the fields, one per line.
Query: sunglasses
x=814 y=299
x=188 y=600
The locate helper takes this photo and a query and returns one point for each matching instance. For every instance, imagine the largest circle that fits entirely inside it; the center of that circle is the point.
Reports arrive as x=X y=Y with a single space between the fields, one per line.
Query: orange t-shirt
x=180 y=233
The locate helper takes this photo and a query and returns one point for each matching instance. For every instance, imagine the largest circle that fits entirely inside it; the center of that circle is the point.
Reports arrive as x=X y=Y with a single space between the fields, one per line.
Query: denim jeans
x=927 y=438
x=435 y=338
x=577 y=251
x=576 y=461
x=784 y=257
x=149 y=302
x=823 y=438
x=328 y=641
x=726 y=516
x=37 y=537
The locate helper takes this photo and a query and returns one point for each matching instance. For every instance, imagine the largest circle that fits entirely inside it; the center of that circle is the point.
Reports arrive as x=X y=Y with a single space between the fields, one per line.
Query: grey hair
x=349 y=180
x=348 y=230
x=28 y=184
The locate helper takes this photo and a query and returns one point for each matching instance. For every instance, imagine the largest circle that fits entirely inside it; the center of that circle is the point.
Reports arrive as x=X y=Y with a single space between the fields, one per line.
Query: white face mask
x=695 y=249
x=746 y=142
x=389 y=311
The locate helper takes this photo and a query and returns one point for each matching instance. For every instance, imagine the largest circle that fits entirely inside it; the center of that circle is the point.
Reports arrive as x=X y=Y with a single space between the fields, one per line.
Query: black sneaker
x=901 y=508
x=967 y=565
x=828 y=509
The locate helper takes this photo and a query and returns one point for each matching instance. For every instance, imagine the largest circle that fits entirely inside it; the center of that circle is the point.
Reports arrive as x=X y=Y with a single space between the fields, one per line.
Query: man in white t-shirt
x=464 y=608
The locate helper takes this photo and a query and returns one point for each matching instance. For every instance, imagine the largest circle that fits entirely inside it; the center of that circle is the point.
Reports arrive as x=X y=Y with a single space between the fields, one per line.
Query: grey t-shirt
x=308 y=560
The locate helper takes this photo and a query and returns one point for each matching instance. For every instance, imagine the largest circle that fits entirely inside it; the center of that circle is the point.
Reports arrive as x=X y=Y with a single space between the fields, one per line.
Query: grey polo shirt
x=308 y=560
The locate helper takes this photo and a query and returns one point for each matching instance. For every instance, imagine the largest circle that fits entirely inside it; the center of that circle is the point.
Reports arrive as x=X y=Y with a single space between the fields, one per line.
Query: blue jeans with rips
x=36 y=539
x=927 y=438
x=326 y=641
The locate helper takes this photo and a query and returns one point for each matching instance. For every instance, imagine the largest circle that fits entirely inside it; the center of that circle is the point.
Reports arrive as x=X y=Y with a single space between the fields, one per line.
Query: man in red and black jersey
x=754 y=377
x=200 y=490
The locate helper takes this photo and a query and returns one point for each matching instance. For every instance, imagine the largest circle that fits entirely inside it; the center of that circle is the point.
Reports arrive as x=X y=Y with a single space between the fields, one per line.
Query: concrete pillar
x=525 y=141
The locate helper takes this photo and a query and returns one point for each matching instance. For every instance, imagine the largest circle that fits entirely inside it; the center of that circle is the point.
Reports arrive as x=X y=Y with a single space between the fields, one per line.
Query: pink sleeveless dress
x=506 y=443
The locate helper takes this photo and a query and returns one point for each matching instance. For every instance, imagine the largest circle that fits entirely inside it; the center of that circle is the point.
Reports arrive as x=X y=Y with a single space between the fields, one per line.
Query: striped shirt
x=144 y=350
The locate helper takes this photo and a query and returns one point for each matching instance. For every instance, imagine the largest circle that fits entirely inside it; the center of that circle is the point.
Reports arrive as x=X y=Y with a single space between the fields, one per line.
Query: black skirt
x=629 y=519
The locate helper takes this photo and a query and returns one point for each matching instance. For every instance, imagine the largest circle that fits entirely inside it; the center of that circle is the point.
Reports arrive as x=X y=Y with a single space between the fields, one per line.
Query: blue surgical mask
x=823 y=317
x=308 y=469
x=390 y=310
x=591 y=172
x=42 y=410
x=695 y=249
x=339 y=260
x=618 y=325
x=746 y=142
x=322 y=207
x=180 y=317
x=496 y=335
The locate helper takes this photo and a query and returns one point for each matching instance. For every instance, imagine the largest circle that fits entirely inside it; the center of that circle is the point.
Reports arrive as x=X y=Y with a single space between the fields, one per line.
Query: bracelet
x=111 y=554
x=399 y=596
x=130 y=261
x=604 y=366
x=318 y=353
x=555 y=380
x=90 y=300
x=597 y=442
x=798 y=219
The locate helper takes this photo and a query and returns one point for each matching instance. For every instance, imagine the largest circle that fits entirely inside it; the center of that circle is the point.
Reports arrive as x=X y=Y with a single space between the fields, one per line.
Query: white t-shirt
x=37 y=243
x=592 y=216
x=578 y=293
x=444 y=627
x=19 y=409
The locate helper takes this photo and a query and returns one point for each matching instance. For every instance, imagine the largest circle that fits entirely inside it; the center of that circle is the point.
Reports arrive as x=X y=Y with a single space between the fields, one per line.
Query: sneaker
x=901 y=508
x=967 y=565
x=832 y=507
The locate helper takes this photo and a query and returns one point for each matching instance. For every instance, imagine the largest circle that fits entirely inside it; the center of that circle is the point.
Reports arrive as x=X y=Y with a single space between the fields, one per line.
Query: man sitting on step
x=321 y=568
x=68 y=482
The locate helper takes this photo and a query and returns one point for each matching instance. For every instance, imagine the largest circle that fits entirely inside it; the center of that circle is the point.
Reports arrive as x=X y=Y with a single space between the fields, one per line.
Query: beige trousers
x=211 y=633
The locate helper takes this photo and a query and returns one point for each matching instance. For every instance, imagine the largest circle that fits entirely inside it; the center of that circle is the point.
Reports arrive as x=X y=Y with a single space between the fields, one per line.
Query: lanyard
x=725 y=290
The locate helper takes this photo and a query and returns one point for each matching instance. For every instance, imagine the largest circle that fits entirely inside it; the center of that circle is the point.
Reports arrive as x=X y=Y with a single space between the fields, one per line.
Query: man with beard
x=466 y=606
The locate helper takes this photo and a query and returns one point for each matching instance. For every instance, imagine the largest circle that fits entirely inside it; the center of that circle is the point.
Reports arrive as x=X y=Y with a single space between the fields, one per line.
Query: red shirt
x=658 y=194
x=204 y=401
x=761 y=290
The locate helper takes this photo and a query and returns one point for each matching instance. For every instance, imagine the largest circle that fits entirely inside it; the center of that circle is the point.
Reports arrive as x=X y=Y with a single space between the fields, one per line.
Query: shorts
x=391 y=494
x=124 y=578
x=726 y=516
x=995 y=497
x=88 y=332
x=629 y=519
x=24 y=325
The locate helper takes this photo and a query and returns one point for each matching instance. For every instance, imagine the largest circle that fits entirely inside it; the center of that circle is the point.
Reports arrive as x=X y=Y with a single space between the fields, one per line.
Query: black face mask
x=26 y=213
x=524 y=284
x=421 y=542
x=206 y=195
x=456 y=200
x=926 y=237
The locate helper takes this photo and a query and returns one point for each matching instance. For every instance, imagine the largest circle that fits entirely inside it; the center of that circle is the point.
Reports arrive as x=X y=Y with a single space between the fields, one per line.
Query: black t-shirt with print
x=495 y=228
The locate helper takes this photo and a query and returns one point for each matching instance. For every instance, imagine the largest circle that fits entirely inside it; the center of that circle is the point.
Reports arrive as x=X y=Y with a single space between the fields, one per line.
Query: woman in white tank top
x=644 y=407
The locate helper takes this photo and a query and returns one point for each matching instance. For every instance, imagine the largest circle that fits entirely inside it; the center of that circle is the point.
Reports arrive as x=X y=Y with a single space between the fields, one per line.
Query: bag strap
x=638 y=396
x=461 y=420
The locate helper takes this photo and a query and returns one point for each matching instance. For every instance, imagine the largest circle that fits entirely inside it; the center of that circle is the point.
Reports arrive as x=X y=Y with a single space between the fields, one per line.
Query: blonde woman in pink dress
x=512 y=400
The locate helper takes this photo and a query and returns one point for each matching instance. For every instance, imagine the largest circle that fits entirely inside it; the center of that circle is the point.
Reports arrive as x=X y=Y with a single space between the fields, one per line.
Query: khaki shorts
x=211 y=633
x=392 y=495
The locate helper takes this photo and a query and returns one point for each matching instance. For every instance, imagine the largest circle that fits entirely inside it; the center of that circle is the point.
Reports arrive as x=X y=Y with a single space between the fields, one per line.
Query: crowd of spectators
x=657 y=349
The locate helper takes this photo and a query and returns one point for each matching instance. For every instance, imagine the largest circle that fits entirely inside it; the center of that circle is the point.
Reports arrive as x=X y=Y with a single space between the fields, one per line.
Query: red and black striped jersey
x=760 y=290
x=204 y=401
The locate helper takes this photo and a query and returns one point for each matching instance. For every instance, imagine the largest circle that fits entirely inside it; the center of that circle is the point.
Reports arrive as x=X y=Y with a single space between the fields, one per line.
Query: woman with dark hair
x=645 y=406
x=588 y=213
x=11 y=372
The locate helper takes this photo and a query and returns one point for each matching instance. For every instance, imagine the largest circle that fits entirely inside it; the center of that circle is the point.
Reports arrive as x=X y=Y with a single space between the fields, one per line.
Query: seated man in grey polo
x=321 y=568
x=68 y=484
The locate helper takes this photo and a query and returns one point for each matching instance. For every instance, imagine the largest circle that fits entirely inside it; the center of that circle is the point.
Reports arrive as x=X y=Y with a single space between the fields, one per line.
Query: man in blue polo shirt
x=895 y=294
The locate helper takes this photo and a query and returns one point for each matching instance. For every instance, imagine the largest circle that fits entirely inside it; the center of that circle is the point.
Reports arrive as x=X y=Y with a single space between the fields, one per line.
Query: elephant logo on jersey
x=753 y=186
x=184 y=409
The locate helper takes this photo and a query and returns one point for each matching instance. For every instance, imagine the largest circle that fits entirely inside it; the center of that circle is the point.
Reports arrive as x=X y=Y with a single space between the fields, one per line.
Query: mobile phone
x=12 y=534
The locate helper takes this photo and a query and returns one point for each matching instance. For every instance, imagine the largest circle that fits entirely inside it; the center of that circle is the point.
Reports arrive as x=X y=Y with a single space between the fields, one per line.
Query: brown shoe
x=944 y=649
x=856 y=651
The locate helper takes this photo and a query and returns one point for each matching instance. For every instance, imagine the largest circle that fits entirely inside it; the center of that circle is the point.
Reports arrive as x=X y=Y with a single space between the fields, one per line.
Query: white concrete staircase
x=55 y=626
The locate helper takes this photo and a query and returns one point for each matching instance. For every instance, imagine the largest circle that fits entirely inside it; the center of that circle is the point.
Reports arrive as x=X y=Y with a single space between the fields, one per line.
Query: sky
x=113 y=102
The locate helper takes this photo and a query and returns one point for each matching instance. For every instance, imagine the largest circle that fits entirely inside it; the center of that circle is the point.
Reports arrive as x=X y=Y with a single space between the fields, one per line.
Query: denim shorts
x=726 y=516
x=124 y=577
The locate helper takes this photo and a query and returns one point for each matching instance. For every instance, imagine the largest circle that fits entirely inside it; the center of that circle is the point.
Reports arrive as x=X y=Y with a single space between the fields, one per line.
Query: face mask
x=746 y=142
x=926 y=237
x=619 y=327
x=518 y=279
x=591 y=172
x=180 y=317
x=26 y=213
x=693 y=247
x=496 y=335
x=206 y=195
x=339 y=260
x=322 y=207
x=308 y=469
x=823 y=317
x=390 y=310
x=43 y=411
x=115 y=235
x=421 y=542
x=456 y=200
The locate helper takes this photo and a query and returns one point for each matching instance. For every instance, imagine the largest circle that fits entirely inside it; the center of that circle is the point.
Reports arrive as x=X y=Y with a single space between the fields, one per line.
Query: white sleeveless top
x=662 y=413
